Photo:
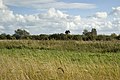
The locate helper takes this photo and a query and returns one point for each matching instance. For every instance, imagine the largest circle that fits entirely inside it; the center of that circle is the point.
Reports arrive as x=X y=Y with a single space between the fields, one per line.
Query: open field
x=59 y=60
x=80 y=46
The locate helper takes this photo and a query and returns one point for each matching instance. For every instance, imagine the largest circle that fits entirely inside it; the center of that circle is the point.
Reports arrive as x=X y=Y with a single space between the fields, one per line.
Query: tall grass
x=59 y=60
x=80 y=46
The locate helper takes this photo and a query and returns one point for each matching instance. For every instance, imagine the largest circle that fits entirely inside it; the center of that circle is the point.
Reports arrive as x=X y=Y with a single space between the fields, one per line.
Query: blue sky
x=101 y=5
x=55 y=16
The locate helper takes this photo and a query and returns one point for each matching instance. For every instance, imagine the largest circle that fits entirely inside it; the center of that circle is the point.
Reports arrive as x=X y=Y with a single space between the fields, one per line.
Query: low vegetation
x=59 y=60
x=79 y=46
x=86 y=36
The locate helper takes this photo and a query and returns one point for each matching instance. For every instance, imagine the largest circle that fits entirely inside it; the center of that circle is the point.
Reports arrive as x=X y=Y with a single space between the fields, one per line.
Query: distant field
x=80 y=46
x=59 y=60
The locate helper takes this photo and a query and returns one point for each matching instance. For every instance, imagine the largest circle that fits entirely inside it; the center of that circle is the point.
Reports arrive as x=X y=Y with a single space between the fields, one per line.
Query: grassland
x=59 y=60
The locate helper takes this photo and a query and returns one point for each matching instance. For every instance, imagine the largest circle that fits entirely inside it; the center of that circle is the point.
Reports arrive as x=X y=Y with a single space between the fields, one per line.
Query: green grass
x=80 y=46
x=59 y=60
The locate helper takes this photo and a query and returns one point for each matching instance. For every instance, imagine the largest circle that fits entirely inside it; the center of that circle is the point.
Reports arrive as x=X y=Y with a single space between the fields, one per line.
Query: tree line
x=86 y=36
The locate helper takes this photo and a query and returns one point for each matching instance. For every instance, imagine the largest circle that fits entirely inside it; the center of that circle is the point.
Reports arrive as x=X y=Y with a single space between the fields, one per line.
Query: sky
x=56 y=16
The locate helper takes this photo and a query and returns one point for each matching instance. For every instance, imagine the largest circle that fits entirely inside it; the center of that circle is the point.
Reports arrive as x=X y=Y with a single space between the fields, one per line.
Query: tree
x=101 y=38
x=113 y=35
x=118 y=37
x=85 y=32
x=8 y=36
x=43 y=37
x=94 y=32
x=20 y=34
x=77 y=37
x=89 y=35
x=67 y=32
x=3 y=36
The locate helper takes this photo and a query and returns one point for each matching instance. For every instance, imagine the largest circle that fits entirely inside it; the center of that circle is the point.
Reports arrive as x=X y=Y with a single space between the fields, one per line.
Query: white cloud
x=1 y=4
x=46 y=4
x=116 y=11
x=101 y=15
x=55 y=21
x=52 y=21
x=116 y=18
x=26 y=2
x=1 y=29
x=63 y=5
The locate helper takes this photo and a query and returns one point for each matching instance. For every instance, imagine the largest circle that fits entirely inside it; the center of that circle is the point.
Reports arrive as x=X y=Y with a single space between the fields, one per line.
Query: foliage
x=3 y=36
x=118 y=37
x=85 y=32
x=67 y=32
x=21 y=34
x=87 y=36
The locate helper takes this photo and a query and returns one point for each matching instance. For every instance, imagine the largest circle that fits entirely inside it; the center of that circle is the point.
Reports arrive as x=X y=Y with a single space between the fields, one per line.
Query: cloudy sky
x=56 y=16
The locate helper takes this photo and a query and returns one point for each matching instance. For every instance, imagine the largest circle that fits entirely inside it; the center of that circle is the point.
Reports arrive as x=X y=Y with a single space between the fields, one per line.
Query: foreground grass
x=53 y=64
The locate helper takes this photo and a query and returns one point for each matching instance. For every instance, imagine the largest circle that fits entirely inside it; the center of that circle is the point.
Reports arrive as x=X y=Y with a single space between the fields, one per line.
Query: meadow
x=59 y=60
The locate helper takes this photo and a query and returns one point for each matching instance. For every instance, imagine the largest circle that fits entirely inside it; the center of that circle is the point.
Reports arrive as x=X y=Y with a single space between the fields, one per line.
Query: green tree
x=113 y=36
x=3 y=36
x=67 y=32
x=89 y=35
x=85 y=32
x=118 y=37
x=77 y=37
x=8 y=36
x=21 y=34
x=94 y=32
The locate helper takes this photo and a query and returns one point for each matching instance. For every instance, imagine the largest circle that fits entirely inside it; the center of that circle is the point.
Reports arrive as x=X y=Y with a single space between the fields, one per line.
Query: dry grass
x=57 y=64
x=25 y=64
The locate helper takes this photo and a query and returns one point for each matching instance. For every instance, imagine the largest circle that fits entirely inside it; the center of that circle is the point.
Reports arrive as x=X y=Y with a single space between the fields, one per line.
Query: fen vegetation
x=59 y=56
x=86 y=36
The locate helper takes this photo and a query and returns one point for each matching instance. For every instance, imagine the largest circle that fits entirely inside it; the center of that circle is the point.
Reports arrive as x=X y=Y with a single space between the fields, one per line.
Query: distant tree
x=77 y=37
x=63 y=36
x=113 y=35
x=67 y=32
x=34 y=37
x=103 y=38
x=89 y=35
x=60 y=37
x=94 y=32
x=85 y=32
x=8 y=36
x=118 y=37
x=43 y=37
x=69 y=37
x=54 y=37
x=19 y=34
x=3 y=36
